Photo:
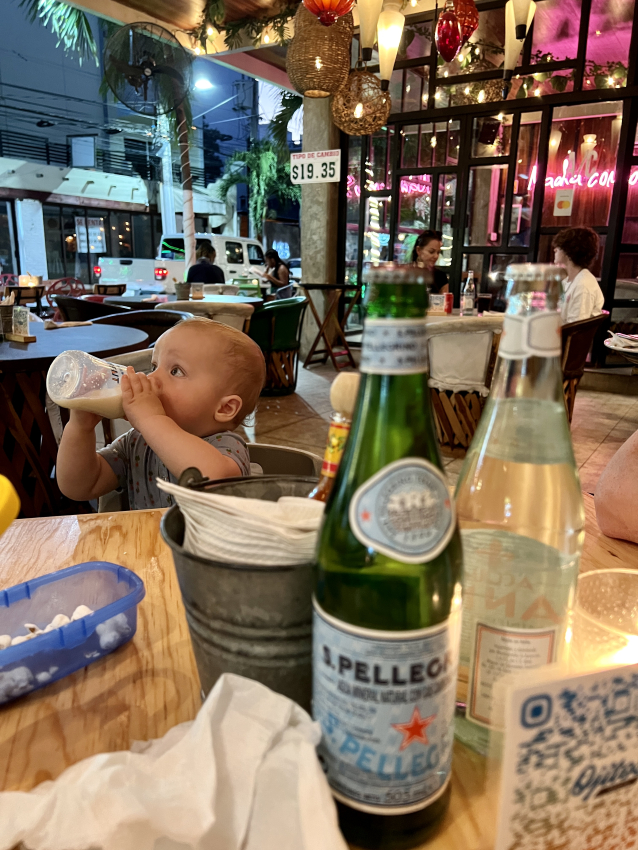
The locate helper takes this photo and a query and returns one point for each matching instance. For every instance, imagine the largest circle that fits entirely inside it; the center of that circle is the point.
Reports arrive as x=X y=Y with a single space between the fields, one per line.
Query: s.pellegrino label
x=394 y=347
x=385 y=702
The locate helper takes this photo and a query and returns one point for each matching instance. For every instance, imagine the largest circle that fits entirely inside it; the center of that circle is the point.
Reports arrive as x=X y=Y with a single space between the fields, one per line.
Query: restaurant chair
x=8 y=279
x=462 y=356
x=79 y=310
x=65 y=286
x=577 y=340
x=276 y=329
x=152 y=322
x=234 y=315
x=264 y=460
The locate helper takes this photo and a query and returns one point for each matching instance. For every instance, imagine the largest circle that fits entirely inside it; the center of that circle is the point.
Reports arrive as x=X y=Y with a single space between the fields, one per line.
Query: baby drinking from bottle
x=206 y=380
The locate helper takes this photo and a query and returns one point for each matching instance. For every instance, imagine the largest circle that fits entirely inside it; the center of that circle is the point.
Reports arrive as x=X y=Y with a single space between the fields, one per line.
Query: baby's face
x=190 y=376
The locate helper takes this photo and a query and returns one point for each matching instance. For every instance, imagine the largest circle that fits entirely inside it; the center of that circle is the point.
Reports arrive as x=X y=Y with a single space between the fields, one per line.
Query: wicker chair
x=577 y=339
x=276 y=329
x=462 y=356
x=235 y=315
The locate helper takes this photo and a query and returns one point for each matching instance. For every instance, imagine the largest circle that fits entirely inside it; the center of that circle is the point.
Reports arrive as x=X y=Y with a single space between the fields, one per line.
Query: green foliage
x=70 y=25
x=236 y=31
x=265 y=173
x=290 y=104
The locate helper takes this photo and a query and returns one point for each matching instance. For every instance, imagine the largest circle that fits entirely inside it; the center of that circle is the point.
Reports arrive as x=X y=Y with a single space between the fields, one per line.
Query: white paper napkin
x=253 y=532
x=243 y=775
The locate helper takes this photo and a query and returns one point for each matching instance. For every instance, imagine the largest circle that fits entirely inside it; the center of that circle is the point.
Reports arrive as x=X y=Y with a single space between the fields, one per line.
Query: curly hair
x=581 y=245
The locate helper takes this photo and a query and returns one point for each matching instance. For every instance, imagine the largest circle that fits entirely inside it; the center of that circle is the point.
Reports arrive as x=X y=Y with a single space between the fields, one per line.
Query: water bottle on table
x=468 y=295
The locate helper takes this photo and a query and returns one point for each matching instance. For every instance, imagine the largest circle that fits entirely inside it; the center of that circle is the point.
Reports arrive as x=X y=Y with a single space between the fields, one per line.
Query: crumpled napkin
x=243 y=775
x=50 y=325
x=253 y=532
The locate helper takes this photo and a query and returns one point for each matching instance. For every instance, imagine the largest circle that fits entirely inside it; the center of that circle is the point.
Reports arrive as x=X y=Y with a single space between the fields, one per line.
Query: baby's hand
x=139 y=399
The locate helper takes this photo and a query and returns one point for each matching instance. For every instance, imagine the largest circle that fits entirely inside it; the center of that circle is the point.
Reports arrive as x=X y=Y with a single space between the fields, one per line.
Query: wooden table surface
x=146 y=687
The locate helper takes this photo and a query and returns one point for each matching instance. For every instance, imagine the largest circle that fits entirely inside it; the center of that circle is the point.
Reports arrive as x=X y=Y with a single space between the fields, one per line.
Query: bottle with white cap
x=78 y=380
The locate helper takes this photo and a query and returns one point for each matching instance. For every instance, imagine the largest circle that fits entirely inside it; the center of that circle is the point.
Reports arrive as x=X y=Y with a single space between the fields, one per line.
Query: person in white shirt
x=576 y=248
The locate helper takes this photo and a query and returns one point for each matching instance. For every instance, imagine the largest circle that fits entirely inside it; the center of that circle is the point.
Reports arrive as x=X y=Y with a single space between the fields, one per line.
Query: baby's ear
x=228 y=408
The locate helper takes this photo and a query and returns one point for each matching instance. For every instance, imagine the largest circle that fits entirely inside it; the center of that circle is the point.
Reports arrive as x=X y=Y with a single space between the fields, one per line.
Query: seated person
x=206 y=380
x=205 y=270
x=616 y=496
x=576 y=249
x=427 y=250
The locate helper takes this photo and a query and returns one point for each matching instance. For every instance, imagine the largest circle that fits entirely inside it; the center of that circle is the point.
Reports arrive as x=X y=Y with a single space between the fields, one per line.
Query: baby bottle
x=78 y=380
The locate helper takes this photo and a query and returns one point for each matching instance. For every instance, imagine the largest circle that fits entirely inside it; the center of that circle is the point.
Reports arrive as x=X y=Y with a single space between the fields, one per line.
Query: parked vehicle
x=294 y=267
x=235 y=256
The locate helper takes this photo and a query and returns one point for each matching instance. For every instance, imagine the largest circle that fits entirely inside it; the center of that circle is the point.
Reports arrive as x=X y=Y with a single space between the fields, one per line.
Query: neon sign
x=603 y=179
x=407 y=187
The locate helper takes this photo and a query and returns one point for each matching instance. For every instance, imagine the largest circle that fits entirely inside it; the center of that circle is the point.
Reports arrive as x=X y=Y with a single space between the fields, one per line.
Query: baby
x=206 y=379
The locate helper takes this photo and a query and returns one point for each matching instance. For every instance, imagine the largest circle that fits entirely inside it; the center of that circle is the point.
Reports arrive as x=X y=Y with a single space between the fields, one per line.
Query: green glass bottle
x=388 y=589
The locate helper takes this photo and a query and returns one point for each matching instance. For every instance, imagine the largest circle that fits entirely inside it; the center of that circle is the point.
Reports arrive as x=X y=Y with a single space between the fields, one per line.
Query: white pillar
x=31 y=244
x=167 y=196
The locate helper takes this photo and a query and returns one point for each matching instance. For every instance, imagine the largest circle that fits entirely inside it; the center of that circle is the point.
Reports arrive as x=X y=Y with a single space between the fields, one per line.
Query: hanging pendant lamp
x=369 y=11
x=448 y=33
x=521 y=17
x=389 y=32
x=327 y=11
x=468 y=18
x=513 y=45
x=318 y=59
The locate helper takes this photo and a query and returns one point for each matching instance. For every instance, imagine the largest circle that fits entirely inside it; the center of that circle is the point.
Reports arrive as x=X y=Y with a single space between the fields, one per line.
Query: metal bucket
x=253 y=621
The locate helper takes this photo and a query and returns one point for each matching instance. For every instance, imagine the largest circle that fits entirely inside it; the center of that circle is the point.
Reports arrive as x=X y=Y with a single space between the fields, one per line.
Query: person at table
x=616 y=495
x=206 y=380
x=205 y=270
x=278 y=273
x=576 y=248
x=426 y=253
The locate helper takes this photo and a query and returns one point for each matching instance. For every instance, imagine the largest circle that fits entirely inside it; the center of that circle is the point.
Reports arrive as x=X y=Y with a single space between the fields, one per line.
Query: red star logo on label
x=365 y=516
x=414 y=729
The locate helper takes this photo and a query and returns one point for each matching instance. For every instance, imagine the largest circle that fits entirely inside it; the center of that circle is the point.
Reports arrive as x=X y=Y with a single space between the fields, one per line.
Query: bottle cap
x=9 y=503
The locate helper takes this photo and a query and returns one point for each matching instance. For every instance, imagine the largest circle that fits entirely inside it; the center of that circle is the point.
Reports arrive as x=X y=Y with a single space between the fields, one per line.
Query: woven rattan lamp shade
x=361 y=107
x=318 y=58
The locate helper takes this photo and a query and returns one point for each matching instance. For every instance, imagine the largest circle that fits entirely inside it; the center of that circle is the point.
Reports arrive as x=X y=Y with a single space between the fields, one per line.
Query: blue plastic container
x=113 y=592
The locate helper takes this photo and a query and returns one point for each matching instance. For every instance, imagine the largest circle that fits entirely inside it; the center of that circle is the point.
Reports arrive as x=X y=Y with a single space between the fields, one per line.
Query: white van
x=235 y=256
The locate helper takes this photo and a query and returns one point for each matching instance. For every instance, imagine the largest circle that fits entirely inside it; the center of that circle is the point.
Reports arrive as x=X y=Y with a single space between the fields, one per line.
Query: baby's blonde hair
x=247 y=367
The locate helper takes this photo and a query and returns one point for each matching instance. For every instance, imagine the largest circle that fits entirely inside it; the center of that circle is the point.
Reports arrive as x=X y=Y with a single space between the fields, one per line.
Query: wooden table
x=149 y=685
x=28 y=448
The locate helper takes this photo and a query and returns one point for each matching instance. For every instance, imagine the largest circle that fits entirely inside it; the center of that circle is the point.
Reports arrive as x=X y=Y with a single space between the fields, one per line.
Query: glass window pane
x=416 y=40
x=142 y=236
x=234 y=252
x=486 y=199
x=7 y=255
x=491 y=135
x=53 y=241
x=428 y=145
x=556 y=26
x=630 y=229
x=353 y=194
x=483 y=52
x=525 y=179
x=608 y=43
x=496 y=282
x=157 y=234
x=453 y=142
x=121 y=235
x=376 y=240
x=581 y=165
x=446 y=206
x=466 y=94
x=98 y=237
x=627 y=276
x=75 y=244
x=255 y=254
x=410 y=138
x=378 y=174
x=409 y=89
x=415 y=210
x=172 y=248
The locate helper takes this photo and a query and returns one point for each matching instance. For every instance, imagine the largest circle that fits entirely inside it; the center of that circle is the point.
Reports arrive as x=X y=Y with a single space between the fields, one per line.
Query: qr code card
x=570 y=764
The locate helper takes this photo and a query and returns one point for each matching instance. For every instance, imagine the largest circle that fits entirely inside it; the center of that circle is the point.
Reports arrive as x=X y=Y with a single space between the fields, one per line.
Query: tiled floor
x=601 y=423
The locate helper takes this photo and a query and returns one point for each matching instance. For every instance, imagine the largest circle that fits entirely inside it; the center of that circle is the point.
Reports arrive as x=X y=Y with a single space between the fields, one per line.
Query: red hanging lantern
x=327 y=11
x=448 y=32
x=468 y=18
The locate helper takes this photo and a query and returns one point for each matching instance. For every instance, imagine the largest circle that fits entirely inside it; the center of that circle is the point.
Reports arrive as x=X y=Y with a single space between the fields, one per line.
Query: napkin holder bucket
x=252 y=621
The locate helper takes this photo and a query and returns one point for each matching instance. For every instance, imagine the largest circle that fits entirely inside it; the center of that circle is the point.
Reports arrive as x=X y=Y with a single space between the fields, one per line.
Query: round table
x=28 y=449
x=142 y=301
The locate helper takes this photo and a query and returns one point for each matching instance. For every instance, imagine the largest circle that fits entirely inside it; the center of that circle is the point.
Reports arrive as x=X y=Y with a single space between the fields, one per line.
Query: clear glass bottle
x=387 y=589
x=519 y=505
x=468 y=295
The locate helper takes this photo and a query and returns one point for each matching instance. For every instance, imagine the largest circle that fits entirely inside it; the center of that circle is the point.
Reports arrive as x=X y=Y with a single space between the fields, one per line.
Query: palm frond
x=290 y=104
x=70 y=25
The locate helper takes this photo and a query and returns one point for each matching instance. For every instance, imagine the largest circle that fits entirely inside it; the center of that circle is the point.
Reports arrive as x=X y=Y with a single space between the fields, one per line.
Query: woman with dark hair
x=576 y=249
x=427 y=250
x=205 y=270
x=278 y=273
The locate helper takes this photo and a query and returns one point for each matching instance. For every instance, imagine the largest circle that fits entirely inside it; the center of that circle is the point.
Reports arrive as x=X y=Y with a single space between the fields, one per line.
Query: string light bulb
x=210 y=31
